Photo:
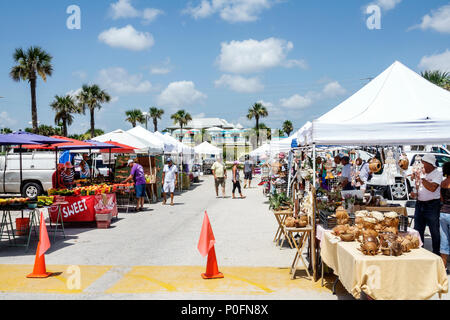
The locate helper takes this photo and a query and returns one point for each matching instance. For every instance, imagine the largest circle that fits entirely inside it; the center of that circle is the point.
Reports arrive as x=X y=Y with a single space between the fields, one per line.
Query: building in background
x=233 y=139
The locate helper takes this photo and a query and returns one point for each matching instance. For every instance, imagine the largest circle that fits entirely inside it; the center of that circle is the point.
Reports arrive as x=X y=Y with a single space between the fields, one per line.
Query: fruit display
x=45 y=201
x=92 y=190
x=14 y=202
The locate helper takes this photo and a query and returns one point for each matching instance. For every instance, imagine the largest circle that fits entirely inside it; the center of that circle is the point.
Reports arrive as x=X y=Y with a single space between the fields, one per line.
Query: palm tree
x=134 y=116
x=439 y=78
x=182 y=118
x=288 y=127
x=156 y=114
x=91 y=98
x=88 y=134
x=64 y=108
x=6 y=131
x=30 y=64
x=257 y=111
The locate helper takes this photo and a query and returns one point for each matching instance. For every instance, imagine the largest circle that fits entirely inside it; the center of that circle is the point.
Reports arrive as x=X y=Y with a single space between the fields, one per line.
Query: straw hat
x=68 y=165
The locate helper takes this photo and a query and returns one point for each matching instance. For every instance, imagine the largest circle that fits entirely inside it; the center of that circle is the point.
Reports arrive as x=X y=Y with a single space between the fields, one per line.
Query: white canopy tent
x=265 y=149
x=123 y=137
x=399 y=107
x=207 y=149
x=155 y=143
x=170 y=146
x=283 y=145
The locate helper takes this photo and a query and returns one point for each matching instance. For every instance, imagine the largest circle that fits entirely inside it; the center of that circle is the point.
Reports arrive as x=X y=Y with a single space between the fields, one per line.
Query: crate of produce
x=329 y=222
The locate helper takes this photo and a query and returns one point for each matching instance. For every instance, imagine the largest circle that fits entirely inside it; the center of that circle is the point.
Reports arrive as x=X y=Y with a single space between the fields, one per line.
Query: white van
x=37 y=171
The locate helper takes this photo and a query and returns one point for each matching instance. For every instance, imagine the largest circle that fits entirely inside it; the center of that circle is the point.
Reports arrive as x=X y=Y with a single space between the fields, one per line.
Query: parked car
x=207 y=164
x=37 y=171
x=402 y=187
x=196 y=170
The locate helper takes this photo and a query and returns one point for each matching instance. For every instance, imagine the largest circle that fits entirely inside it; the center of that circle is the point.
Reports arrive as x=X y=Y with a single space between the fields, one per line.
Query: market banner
x=84 y=208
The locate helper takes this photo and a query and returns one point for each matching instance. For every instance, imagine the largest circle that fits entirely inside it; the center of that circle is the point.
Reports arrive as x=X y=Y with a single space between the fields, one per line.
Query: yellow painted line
x=161 y=279
x=13 y=279
x=250 y=282
x=237 y=281
x=167 y=286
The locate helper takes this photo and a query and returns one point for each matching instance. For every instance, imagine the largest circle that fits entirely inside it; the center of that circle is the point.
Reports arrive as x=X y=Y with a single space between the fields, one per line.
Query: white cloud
x=387 y=4
x=165 y=68
x=240 y=84
x=119 y=81
x=296 y=102
x=5 y=120
x=179 y=94
x=231 y=10
x=159 y=70
x=436 y=62
x=124 y=9
x=127 y=38
x=438 y=20
x=333 y=89
x=250 y=56
x=80 y=74
x=330 y=90
x=266 y=104
x=199 y=116
x=149 y=15
x=74 y=93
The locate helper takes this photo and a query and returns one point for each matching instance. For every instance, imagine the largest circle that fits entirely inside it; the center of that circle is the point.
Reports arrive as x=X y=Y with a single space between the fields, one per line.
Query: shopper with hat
x=138 y=175
x=236 y=180
x=170 y=180
x=68 y=175
x=428 y=202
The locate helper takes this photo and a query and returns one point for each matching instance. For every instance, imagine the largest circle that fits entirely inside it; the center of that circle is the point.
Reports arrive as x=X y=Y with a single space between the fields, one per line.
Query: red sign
x=83 y=209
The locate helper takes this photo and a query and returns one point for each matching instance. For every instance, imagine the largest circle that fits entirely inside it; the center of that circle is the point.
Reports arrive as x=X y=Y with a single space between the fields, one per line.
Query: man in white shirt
x=364 y=173
x=428 y=203
x=170 y=180
x=346 y=176
x=220 y=176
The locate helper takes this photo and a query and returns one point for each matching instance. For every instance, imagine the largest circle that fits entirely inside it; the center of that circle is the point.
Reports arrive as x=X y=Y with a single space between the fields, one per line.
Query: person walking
x=248 y=172
x=220 y=175
x=138 y=175
x=428 y=203
x=236 y=180
x=170 y=181
x=445 y=215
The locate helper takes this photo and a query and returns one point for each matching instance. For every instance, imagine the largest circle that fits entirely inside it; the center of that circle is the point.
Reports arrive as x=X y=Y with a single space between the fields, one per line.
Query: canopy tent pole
x=21 y=176
x=110 y=166
x=314 y=166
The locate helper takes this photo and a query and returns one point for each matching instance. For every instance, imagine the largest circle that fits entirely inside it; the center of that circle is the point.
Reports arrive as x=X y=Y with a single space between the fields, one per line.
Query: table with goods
x=89 y=203
x=370 y=255
x=28 y=222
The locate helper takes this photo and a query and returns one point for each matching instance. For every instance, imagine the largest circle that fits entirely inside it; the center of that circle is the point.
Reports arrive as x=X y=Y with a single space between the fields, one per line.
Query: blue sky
x=215 y=58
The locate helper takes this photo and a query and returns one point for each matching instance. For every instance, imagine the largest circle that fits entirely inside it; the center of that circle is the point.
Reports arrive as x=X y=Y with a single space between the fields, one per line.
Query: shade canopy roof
x=120 y=148
x=31 y=137
x=399 y=107
x=123 y=137
x=153 y=142
x=72 y=144
x=12 y=140
x=206 y=149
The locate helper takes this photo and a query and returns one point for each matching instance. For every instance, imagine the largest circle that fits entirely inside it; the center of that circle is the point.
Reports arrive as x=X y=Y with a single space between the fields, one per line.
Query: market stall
x=363 y=233
x=84 y=203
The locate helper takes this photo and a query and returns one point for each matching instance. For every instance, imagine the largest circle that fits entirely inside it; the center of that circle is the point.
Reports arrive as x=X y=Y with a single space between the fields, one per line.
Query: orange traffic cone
x=39 y=270
x=206 y=247
x=212 y=269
